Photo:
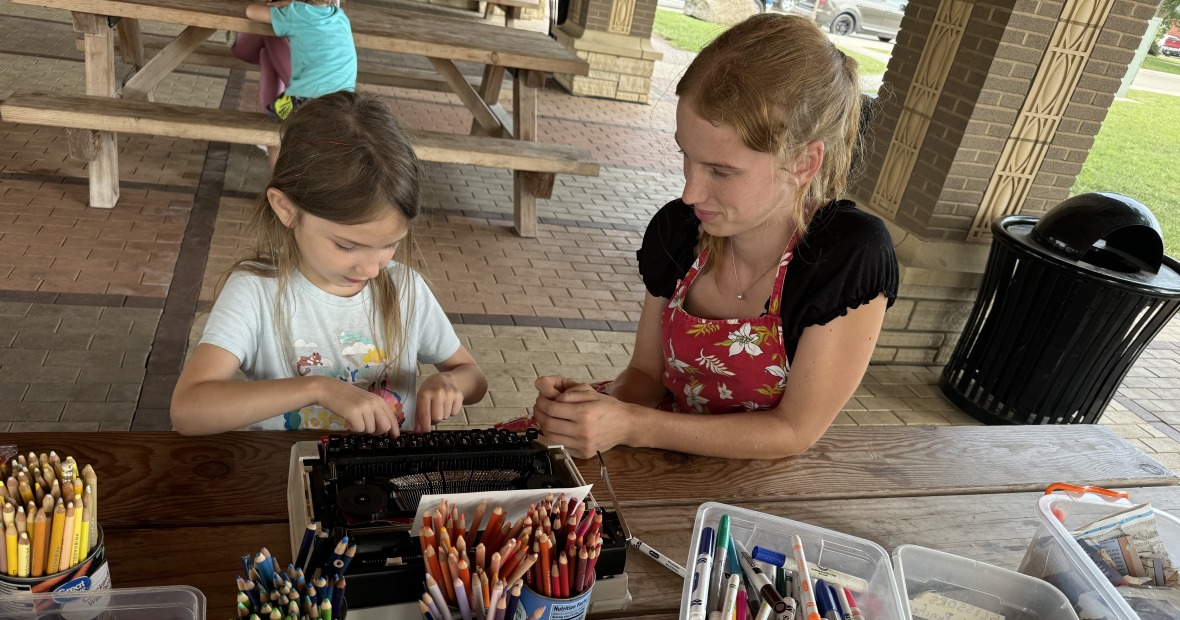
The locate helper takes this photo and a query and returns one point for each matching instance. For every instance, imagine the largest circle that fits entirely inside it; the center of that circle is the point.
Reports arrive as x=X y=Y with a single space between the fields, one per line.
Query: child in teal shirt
x=314 y=56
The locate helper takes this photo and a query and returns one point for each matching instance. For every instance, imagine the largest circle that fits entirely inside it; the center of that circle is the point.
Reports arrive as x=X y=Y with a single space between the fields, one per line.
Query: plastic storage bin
x=830 y=549
x=1056 y=557
x=934 y=580
x=161 y=603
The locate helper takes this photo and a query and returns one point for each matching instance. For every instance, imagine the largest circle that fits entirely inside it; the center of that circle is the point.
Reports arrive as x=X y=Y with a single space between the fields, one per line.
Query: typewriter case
x=369 y=489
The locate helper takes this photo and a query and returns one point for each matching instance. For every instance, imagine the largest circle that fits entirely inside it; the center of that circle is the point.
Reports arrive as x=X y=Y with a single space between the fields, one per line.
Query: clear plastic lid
x=159 y=603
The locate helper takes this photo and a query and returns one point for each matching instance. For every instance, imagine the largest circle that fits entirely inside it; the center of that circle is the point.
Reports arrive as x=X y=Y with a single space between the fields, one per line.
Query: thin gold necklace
x=741 y=295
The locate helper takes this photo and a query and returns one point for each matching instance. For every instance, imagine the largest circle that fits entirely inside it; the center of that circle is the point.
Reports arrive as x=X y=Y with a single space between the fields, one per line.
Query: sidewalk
x=94 y=328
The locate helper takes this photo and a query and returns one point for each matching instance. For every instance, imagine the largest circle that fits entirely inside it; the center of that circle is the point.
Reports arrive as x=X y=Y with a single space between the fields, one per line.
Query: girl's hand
x=364 y=411
x=438 y=399
x=580 y=418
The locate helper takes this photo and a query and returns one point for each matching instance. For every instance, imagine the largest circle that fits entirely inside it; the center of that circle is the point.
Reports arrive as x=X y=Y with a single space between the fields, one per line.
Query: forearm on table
x=219 y=406
x=750 y=435
x=637 y=387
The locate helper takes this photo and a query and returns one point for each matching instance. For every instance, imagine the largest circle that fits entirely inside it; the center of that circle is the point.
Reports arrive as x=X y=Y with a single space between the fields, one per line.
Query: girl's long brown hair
x=343 y=158
x=779 y=82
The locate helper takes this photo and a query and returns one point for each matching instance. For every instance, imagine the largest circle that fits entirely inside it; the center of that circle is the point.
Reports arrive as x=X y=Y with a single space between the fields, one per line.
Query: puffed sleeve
x=846 y=260
x=668 y=248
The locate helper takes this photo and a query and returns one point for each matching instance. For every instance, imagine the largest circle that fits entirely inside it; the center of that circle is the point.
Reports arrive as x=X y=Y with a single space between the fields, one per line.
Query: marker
x=835 y=577
x=845 y=608
x=764 y=612
x=657 y=556
x=729 y=603
x=825 y=601
x=765 y=589
x=856 y=615
x=807 y=597
x=699 y=597
x=716 y=578
x=732 y=566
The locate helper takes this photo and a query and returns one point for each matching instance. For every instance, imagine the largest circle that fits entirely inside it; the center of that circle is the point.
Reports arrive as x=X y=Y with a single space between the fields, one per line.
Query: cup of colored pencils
x=50 y=526
x=298 y=592
x=504 y=571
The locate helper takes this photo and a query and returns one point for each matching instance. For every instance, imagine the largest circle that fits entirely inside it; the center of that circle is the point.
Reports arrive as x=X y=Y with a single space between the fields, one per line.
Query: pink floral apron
x=724 y=365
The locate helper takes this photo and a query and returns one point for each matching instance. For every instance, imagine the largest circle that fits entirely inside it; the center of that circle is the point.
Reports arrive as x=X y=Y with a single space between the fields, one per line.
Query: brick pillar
x=989 y=108
x=614 y=36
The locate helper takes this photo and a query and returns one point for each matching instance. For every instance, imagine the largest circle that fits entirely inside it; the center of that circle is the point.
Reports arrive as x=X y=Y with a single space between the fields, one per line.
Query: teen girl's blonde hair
x=343 y=158
x=781 y=85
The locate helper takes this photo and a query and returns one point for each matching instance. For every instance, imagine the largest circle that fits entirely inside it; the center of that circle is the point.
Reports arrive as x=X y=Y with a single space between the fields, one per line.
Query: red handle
x=1073 y=488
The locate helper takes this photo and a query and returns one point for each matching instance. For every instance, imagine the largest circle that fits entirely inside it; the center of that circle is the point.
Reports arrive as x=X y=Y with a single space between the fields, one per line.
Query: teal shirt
x=323 y=56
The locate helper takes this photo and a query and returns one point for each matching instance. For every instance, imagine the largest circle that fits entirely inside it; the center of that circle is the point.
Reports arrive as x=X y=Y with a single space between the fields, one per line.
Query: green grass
x=865 y=65
x=1162 y=63
x=692 y=34
x=1131 y=157
x=684 y=32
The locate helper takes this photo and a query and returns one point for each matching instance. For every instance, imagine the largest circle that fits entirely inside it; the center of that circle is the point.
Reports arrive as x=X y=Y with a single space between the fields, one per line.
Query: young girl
x=311 y=55
x=766 y=293
x=327 y=329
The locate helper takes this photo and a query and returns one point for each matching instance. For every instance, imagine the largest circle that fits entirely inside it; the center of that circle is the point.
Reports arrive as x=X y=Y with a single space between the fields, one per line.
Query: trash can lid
x=1105 y=230
x=1109 y=236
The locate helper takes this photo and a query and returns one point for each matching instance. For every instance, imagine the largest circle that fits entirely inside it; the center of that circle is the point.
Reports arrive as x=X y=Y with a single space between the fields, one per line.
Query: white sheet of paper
x=514 y=503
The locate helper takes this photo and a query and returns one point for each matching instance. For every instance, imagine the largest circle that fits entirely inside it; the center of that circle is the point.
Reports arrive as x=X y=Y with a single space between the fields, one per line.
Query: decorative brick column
x=989 y=108
x=614 y=36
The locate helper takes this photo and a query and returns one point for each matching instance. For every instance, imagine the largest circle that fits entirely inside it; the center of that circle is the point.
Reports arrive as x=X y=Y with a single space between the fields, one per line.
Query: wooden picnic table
x=204 y=501
x=530 y=55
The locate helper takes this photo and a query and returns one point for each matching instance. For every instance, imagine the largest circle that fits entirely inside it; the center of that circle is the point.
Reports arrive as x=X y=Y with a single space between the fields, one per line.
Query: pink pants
x=273 y=57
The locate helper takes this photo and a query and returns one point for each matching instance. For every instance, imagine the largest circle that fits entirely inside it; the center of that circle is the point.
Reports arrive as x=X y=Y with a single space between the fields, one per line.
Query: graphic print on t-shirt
x=362 y=365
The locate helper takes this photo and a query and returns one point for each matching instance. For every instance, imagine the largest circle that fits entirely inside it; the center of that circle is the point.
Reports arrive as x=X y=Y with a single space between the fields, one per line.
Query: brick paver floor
x=97 y=307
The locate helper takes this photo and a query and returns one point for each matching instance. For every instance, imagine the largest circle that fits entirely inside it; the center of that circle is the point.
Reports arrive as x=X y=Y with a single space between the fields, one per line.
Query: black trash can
x=1067 y=304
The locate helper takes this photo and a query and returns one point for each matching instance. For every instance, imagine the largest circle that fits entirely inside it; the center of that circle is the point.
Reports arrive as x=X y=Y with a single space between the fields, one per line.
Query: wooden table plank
x=173 y=480
x=852 y=462
x=379 y=28
x=992 y=528
x=207 y=558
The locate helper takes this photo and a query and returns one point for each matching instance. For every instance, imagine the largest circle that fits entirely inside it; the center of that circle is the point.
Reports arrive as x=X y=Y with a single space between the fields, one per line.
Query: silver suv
x=880 y=18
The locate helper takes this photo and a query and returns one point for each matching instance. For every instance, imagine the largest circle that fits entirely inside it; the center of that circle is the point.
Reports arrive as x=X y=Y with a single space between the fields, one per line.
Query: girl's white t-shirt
x=331 y=336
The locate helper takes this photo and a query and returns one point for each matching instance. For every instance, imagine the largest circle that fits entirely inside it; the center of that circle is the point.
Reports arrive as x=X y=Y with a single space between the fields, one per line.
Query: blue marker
x=732 y=566
x=770 y=556
x=699 y=594
x=828 y=608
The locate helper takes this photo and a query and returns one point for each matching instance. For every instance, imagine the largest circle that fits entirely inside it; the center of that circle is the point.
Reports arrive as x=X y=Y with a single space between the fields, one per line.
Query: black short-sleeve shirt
x=845 y=260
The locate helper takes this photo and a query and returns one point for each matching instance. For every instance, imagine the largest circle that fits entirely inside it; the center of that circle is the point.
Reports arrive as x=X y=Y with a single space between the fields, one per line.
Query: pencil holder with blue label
x=558 y=585
x=540 y=567
x=51 y=541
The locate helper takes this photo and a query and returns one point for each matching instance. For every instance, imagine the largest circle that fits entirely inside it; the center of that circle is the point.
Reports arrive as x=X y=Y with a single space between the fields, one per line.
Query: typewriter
x=369 y=487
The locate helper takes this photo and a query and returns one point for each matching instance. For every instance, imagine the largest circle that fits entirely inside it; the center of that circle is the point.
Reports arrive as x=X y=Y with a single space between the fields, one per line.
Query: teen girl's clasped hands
x=326 y=319
x=765 y=292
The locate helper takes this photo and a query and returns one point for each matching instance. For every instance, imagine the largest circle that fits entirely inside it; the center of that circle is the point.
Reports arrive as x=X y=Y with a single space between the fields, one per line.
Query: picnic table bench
x=496 y=140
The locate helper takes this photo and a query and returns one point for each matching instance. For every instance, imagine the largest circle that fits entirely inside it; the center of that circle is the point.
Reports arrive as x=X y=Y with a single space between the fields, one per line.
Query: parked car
x=880 y=18
x=1170 y=46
